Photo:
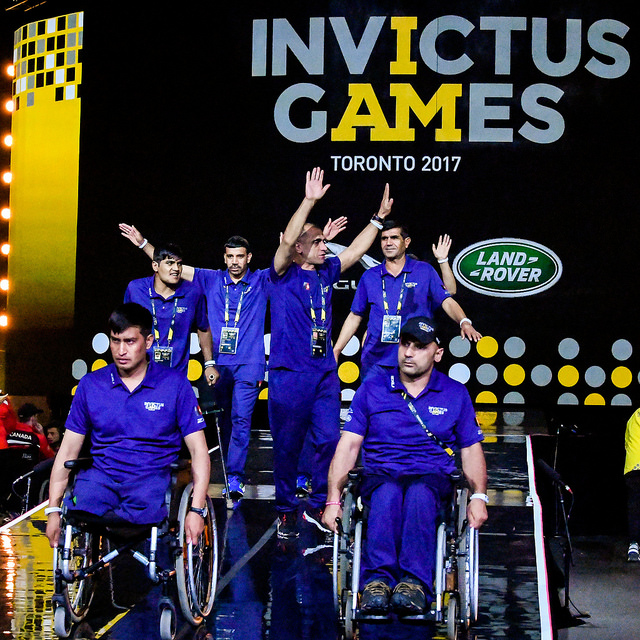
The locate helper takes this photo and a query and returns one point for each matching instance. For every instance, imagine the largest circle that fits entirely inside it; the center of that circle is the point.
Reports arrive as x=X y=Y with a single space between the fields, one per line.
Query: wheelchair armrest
x=180 y=465
x=78 y=464
x=356 y=474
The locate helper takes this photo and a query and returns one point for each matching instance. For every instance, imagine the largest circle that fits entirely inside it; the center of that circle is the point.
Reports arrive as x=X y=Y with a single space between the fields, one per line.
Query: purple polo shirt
x=252 y=288
x=423 y=294
x=394 y=442
x=291 y=297
x=134 y=434
x=190 y=312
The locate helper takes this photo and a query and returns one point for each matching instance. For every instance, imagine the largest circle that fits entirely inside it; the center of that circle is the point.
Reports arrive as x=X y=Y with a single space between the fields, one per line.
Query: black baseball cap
x=27 y=410
x=422 y=329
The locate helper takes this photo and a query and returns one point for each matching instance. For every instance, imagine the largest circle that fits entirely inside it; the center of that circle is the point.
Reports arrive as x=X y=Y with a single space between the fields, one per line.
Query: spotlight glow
x=5 y=213
x=7 y=177
x=4 y=284
x=8 y=140
x=10 y=106
x=4 y=320
x=11 y=70
x=5 y=249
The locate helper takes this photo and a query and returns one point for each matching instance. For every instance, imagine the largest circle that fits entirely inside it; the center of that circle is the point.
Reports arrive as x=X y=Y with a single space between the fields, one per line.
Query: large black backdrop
x=178 y=138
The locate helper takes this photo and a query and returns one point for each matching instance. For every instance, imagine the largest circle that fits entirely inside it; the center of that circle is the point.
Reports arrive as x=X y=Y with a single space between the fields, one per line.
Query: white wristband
x=465 y=320
x=49 y=510
x=480 y=496
x=375 y=223
x=143 y=244
x=442 y=260
x=209 y=363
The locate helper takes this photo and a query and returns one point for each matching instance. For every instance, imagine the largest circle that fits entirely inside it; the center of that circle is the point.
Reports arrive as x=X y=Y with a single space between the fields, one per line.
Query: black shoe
x=408 y=598
x=314 y=517
x=375 y=598
x=287 y=525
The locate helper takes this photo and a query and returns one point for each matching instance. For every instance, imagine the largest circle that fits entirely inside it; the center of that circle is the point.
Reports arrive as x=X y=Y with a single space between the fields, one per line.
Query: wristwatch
x=201 y=512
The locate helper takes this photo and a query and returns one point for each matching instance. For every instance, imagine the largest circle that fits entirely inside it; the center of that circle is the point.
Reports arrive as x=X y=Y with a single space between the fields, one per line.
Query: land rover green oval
x=507 y=267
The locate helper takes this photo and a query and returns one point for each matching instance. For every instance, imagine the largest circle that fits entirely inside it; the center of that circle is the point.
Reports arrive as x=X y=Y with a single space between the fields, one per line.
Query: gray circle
x=352 y=347
x=514 y=347
x=513 y=418
x=194 y=344
x=79 y=369
x=621 y=400
x=568 y=398
x=460 y=372
x=595 y=376
x=486 y=374
x=459 y=347
x=621 y=349
x=513 y=397
x=541 y=375
x=100 y=342
x=568 y=348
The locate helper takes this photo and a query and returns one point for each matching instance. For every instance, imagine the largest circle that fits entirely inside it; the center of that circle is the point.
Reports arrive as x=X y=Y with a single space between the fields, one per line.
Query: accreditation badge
x=163 y=355
x=391 y=329
x=318 y=342
x=228 y=340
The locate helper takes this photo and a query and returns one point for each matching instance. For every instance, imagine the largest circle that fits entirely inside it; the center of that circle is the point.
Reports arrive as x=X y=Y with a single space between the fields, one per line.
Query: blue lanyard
x=384 y=295
x=226 y=304
x=156 y=330
x=323 y=312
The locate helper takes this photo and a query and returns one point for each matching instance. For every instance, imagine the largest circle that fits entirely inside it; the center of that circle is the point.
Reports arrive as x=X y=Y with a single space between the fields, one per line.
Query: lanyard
x=323 y=312
x=384 y=295
x=156 y=330
x=226 y=304
x=417 y=416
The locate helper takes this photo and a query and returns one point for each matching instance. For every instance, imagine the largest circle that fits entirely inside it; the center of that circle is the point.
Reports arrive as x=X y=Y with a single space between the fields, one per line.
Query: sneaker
x=314 y=517
x=633 y=555
x=408 y=598
x=236 y=488
x=375 y=598
x=303 y=487
x=287 y=523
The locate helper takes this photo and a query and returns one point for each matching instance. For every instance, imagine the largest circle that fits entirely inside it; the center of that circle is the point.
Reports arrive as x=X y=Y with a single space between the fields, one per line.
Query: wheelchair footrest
x=371 y=618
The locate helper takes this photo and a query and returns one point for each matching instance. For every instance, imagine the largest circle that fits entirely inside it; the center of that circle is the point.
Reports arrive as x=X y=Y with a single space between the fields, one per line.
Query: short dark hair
x=394 y=224
x=169 y=250
x=237 y=242
x=130 y=314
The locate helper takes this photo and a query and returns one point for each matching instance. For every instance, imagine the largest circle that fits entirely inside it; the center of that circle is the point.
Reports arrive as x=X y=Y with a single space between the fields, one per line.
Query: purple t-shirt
x=134 y=433
x=190 y=309
x=394 y=442
x=217 y=285
x=423 y=293
x=292 y=297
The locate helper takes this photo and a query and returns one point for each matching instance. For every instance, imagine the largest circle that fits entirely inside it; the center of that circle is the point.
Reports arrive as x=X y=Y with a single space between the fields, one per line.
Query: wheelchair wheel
x=452 y=618
x=77 y=591
x=168 y=622
x=343 y=554
x=463 y=534
x=197 y=565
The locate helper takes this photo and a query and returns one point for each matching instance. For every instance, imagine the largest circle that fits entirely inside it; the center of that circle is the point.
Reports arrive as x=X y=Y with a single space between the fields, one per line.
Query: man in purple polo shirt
x=176 y=307
x=236 y=303
x=398 y=288
x=408 y=422
x=136 y=414
x=304 y=390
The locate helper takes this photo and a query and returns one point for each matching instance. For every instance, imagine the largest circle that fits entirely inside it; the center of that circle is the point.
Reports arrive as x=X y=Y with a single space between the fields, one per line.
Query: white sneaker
x=633 y=554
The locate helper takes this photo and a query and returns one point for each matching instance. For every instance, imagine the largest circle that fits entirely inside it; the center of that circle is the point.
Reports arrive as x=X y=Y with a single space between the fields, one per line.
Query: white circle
x=459 y=347
x=514 y=347
x=79 y=369
x=347 y=395
x=352 y=347
x=541 y=375
x=568 y=348
x=568 y=398
x=621 y=400
x=267 y=343
x=460 y=372
x=513 y=397
x=194 y=344
x=486 y=374
x=621 y=349
x=595 y=376
x=513 y=418
x=100 y=342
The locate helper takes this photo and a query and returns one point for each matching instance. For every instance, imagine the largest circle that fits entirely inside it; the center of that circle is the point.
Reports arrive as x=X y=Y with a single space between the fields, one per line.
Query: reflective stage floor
x=281 y=592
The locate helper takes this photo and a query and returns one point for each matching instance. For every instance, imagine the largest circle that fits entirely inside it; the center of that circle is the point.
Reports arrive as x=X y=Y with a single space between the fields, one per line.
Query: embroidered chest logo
x=410 y=285
x=437 y=411
x=153 y=406
x=181 y=309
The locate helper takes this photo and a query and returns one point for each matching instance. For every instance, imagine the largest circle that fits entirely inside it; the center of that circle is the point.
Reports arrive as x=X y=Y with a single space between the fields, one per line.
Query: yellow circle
x=264 y=393
x=568 y=376
x=487 y=397
x=73 y=391
x=514 y=375
x=98 y=364
x=487 y=419
x=487 y=347
x=621 y=377
x=594 y=399
x=194 y=370
x=348 y=372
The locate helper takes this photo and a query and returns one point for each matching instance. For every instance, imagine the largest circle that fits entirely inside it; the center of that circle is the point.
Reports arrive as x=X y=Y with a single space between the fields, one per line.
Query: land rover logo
x=507 y=267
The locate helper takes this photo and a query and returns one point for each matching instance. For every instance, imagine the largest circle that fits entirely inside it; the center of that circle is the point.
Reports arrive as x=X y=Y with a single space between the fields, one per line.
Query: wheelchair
x=456 y=567
x=88 y=545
